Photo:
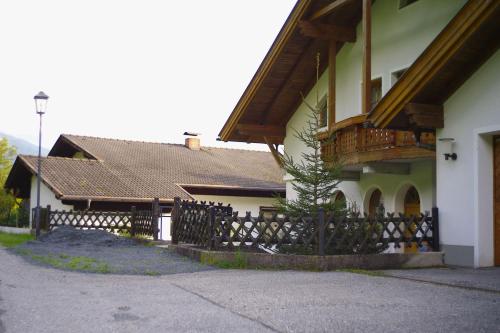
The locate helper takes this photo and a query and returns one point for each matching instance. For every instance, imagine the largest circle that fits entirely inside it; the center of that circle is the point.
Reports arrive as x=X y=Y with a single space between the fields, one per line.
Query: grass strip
x=64 y=261
x=12 y=240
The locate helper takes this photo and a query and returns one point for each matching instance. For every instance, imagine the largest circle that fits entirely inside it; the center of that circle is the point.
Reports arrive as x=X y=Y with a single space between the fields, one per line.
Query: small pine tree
x=314 y=178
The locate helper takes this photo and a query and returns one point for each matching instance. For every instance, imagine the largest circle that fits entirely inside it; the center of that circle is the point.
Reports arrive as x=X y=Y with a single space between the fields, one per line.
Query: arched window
x=340 y=200
x=376 y=204
x=412 y=202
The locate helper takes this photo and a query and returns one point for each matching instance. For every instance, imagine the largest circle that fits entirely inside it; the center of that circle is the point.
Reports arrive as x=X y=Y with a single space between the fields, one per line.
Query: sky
x=143 y=70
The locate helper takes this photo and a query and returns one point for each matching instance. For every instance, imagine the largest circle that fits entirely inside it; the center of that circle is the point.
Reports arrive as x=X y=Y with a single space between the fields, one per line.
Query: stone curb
x=314 y=262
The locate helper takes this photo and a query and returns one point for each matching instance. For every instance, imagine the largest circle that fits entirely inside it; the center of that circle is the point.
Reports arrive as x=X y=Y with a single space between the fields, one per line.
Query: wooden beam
x=396 y=153
x=425 y=115
x=261 y=130
x=332 y=52
x=328 y=9
x=260 y=139
x=274 y=151
x=367 y=71
x=327 y=31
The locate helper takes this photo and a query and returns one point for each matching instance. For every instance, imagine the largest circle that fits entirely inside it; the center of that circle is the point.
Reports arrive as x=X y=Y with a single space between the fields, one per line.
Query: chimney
x=192 y=143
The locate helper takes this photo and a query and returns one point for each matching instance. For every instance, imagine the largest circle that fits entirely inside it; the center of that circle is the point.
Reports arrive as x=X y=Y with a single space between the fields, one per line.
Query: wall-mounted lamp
x=448 y=145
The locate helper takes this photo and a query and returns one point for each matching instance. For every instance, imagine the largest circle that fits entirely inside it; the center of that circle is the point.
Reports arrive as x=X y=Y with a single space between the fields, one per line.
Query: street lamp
x=41 y=106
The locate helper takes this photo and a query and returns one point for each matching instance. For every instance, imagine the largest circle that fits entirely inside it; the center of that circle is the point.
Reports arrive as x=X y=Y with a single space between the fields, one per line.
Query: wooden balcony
x=353 y=144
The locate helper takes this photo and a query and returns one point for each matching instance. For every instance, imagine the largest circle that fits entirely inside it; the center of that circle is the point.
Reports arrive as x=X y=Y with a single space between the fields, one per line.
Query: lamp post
x=41 y=100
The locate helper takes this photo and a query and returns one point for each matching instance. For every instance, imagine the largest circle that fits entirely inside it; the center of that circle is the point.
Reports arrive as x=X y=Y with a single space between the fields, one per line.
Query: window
x=340 y=200
x=268 y=211
x=323 y=112
x=376 y=94
x=376 y=204
x=412 y=202
x=404 y=3
x=395 y=76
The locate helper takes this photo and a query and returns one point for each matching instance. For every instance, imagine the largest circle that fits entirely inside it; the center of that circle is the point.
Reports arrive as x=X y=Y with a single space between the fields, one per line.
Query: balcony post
x=332 y=53
x=367 y=75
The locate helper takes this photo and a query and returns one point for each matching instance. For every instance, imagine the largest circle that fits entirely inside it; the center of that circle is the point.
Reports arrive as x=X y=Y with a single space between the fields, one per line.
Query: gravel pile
x=76 y=237
x=100 y=251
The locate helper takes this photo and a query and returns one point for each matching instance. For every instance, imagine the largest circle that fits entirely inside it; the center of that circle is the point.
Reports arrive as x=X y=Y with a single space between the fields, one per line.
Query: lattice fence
x=192 y=221
x=137 y=223
x=142 y=223
x=112 y=221
x=324 y=234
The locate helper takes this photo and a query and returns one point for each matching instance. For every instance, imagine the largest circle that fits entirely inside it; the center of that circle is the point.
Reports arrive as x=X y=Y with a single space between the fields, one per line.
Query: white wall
x=47 y=197
x=398 y=37
x=239 y=204
x=393 y=188
x=465 y=186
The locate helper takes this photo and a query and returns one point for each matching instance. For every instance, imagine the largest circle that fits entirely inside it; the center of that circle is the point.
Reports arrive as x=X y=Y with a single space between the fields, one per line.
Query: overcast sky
x=136 y=69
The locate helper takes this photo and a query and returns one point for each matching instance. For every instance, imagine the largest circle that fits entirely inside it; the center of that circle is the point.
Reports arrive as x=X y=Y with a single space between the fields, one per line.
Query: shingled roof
x=125 y=170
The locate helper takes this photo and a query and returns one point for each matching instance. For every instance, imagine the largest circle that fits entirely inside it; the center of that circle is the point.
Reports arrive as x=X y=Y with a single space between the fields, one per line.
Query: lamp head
x=41 y=100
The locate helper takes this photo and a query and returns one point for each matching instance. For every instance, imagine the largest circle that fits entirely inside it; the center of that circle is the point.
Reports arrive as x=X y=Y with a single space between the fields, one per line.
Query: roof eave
x=264 y=68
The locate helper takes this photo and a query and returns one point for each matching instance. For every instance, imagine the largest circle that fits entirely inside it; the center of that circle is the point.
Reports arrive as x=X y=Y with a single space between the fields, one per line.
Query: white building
x=397 y=80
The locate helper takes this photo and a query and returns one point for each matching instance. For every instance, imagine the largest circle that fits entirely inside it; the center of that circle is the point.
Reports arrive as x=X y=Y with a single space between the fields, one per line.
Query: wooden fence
x=216 y=228
x=135 y=222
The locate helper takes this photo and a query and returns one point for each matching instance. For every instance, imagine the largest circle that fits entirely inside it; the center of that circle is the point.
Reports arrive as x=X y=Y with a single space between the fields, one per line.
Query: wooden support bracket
x=425 y=115
x=274 y=151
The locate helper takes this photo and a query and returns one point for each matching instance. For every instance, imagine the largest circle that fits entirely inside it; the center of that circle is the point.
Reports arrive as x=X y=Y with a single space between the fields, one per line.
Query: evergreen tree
x=315 y=177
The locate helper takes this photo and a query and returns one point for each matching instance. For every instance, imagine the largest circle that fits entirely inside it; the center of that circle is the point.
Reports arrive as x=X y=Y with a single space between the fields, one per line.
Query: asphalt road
x=39 y=299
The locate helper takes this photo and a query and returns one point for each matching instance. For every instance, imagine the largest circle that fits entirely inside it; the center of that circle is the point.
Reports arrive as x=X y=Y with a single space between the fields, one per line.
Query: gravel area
x=103 y=252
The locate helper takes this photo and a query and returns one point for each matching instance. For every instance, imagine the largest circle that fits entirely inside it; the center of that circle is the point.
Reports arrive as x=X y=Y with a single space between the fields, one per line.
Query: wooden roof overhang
x=416 y=100
x=288 y=70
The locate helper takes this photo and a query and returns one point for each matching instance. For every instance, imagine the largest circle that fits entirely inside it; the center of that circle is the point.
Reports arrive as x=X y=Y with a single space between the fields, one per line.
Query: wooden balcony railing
x=356 y=144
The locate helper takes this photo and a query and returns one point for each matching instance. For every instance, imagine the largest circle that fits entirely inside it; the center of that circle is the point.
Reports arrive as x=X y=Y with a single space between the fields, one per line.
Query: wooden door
x=412 y=207
x=412 y=202
x=496 y=197
x=375 y=202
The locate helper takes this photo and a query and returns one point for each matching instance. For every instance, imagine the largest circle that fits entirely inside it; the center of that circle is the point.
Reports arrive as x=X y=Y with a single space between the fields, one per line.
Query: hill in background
x=23 y=147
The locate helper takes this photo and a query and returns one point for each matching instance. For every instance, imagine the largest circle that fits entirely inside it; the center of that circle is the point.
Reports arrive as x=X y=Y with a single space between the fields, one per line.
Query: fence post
x=47 y=219
x=321 y=231
x=132 y=221
x=435 y=229
x=156 y=212
x=211 y=226
x=174 y=220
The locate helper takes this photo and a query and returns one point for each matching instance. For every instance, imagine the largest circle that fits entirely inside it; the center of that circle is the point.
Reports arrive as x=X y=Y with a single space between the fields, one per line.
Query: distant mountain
x=23 y=147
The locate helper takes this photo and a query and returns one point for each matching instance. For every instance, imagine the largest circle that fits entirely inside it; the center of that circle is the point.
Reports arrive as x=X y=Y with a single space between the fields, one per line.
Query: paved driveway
x=38 y=299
